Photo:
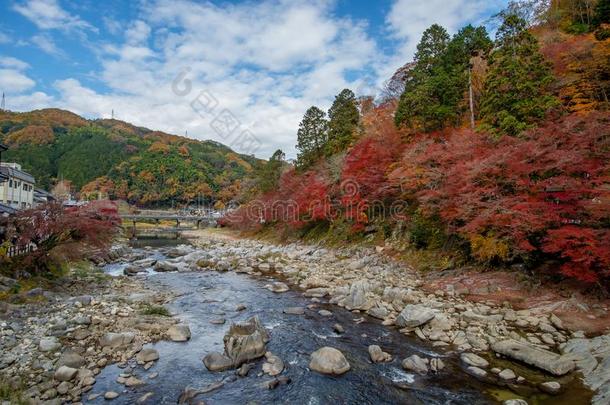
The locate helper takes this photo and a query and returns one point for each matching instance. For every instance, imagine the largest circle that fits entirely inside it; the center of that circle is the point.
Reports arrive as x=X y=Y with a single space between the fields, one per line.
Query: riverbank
x=481 y=314
x=56 y=340
x=98 y=328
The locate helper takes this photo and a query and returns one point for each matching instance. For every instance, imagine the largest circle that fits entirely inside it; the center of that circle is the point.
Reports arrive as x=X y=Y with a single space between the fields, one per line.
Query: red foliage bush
x=517 y=190
x=58 y=234
x=544 y=196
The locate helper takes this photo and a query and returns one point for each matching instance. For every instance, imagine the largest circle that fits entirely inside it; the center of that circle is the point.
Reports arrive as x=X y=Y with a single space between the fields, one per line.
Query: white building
x=17 y=189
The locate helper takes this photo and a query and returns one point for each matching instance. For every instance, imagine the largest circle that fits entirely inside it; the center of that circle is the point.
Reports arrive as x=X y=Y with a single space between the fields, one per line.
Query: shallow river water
x=206 y=296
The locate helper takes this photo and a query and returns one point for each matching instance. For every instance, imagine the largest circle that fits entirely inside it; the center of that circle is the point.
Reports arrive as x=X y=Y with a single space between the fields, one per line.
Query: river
x=206 y=296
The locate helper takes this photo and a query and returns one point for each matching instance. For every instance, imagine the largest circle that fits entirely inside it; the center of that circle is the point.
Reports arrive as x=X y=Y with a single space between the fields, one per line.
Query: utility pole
x=3 y=105
x=112 y=113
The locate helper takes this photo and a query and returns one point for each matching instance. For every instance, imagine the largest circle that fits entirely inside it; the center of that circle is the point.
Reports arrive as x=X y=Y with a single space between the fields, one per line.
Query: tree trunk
x=470 y=98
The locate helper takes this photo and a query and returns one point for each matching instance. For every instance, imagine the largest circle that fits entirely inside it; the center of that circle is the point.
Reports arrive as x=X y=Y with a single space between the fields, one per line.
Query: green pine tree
x=311 y=137
x=434 y=93
x=269 y=174
x=517 y=87
x=343 y=122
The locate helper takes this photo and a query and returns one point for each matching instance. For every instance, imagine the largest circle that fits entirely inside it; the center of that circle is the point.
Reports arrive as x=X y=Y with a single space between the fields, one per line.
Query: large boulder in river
x=217 y=362
x=245 y=341
x=534 y=356
x=413 y=316
x=179 y=333
x=162 y=267
x=328 y=360
x=356 y=299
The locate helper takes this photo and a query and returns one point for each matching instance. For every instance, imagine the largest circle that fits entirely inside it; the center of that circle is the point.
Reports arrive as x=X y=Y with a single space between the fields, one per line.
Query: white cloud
x=14 y=81
x=48 y=14
x=266 y=62
x=10 y=62
x=46 y=43
x=408 y=19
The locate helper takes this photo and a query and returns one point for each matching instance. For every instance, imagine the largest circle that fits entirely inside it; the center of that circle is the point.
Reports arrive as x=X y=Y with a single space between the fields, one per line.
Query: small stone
x=472 y=359
x=133 y=382
x=110 y=395
x=325 y=312
x=65 y=373
x=377 y=355
x=338 y=328
x=274 y=365
x=63 y=388
x=514 y=402
x=550 y=387
x=294 y=310
x=218 y=321
x=476 y=372
x=48 y=344
x=147 y=355
x=240 y=307
x=416 y=364
x=507 y=374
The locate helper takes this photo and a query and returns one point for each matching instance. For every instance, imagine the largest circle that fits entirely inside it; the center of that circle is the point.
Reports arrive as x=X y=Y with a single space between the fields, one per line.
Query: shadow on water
x=206 y=296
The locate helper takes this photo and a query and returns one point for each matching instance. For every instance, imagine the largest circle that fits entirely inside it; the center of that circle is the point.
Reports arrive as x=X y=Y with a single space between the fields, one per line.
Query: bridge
x=206 y=219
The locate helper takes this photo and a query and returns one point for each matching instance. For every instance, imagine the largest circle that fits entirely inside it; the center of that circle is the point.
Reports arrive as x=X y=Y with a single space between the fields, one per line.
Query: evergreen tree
x=269 y=174
x=311 y=137
x=420 y=106
x=517 y=90
x=343 y=121
x=602 y=12
x=434 y=92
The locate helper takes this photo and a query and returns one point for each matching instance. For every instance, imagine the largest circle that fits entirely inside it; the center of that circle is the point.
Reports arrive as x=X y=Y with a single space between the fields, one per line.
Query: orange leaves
x=32 y=134
x=159 y=147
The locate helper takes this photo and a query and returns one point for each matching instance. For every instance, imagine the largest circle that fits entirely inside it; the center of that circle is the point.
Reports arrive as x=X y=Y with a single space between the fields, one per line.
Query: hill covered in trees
x=488 y=151
x=120 y=160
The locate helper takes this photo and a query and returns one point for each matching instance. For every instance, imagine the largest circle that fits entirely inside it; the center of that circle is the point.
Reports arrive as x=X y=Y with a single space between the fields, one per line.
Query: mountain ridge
x=140 y=165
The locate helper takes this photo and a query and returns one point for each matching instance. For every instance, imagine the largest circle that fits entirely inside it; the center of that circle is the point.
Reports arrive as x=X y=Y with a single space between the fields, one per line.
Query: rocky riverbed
x=348 y=325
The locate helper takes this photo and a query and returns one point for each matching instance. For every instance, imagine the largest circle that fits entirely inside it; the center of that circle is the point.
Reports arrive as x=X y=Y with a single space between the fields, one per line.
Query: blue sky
x=263 y=63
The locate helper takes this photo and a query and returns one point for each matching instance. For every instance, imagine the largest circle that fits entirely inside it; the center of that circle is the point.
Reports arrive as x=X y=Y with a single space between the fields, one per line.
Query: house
x=42 y=197
x=17 y=190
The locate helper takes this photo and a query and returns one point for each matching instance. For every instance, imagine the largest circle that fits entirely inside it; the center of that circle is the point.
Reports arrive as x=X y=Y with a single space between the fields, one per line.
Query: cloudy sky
x=182 y=65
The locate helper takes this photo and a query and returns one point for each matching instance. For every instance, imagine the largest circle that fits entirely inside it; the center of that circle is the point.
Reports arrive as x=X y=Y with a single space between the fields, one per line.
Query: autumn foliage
x=541 y=198
x=57 y=234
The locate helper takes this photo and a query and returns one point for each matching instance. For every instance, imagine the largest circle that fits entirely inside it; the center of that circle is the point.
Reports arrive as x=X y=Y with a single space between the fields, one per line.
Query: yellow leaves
x=159 y=147
x=233 y=157
x=487 y=248
x=32 y=134
x=147 y=176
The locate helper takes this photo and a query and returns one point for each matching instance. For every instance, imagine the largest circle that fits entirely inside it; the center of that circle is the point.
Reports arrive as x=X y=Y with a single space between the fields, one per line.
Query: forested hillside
x=121 y=161
x=487 y=151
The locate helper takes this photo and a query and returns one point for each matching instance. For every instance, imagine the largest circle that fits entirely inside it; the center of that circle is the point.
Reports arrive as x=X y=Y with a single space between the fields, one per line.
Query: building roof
x=43 y=193
x=5 y=209
x=18 y=174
